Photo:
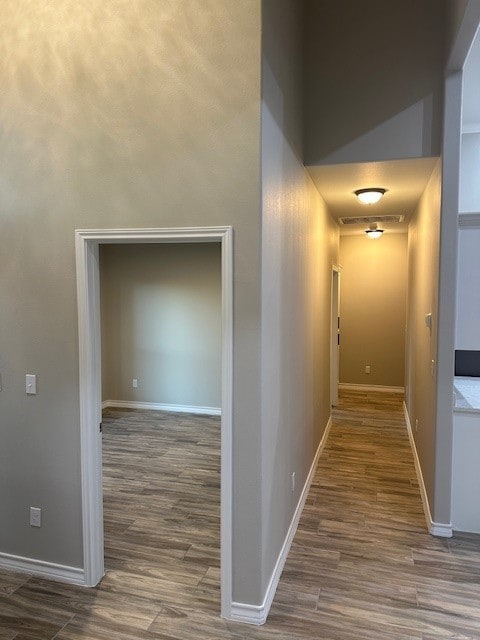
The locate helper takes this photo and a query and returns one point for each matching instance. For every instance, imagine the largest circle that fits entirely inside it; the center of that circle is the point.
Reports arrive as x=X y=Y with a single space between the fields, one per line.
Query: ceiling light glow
x=374 y=232
x=369 y=196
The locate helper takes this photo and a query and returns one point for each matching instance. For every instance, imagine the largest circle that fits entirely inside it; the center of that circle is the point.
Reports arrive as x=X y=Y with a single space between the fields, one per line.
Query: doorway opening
x=335 y=337
x=87 y=244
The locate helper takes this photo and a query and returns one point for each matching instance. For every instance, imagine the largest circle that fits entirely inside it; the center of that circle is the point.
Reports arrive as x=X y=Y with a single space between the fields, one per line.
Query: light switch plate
x=31 y=384
x=35 y=517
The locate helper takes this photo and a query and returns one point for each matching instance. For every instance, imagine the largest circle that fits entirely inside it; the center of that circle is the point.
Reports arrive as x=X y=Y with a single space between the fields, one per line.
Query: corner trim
x=439 y=529
x=50 y=570
x=257 y=614
x=347 y=386
x=156 y=406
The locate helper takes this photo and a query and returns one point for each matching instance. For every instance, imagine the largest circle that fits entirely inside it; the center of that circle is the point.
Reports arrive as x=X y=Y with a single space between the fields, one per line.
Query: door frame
x=87 y=243
x=334 y=332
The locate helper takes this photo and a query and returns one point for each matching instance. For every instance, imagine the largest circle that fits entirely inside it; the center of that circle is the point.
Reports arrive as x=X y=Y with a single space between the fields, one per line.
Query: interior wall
x=465 y=479
x=299 y=245
x=469 y=182
x=467 y=329
x=462 y=19
x=118 y=114
x=455 y=14
x=372 y=309
x=381 y=66
x=162 y=323
x=423 y=270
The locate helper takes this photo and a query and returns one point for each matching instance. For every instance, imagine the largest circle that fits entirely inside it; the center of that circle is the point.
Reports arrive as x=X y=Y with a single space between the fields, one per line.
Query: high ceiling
x=405 y=181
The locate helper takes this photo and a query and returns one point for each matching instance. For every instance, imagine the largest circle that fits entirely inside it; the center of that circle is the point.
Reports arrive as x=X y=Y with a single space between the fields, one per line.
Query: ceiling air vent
x=371 y=219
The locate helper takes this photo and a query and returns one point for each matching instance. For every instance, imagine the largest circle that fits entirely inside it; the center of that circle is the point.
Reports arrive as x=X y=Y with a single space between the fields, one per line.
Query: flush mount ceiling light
x=369 y=196
x=373 y=232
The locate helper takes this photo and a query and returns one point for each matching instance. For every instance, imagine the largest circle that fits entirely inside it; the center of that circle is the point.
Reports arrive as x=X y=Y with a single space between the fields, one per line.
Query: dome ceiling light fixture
x=373 y=232
x=369 y=196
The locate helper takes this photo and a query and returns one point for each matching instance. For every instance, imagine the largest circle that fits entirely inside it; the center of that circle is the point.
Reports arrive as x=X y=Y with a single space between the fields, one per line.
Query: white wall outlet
x=35 y=517
x=30 y=384
x=416 y=425
x=135 y=383
x=367 y=368
x=293 y=481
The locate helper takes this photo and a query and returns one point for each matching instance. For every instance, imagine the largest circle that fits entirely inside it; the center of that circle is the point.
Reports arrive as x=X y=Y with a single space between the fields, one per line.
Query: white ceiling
x=405 y=181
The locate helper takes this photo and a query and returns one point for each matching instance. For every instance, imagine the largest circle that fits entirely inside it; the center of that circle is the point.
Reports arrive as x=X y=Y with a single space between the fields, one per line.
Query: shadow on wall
x=378 y=107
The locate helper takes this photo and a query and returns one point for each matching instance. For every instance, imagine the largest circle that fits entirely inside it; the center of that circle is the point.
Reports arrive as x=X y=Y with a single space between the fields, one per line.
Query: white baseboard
x=155 y=406
x=369 y=387
x=248 y=613
x=441 y=530
x=49 y=570
x=257 y=614
x=438 y=529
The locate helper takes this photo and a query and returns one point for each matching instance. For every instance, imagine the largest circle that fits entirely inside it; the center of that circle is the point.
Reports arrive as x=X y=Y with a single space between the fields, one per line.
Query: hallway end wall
x=372 y=309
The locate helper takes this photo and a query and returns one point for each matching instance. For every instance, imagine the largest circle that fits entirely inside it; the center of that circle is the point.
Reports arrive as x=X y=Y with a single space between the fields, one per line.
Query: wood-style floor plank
x=362 y=565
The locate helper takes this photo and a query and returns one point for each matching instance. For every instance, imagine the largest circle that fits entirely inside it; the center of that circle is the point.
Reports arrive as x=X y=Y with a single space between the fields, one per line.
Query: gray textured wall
x=469 y=182
x=299 y=245
x=423 y=266
x=117 y=114
x=467 y=329
x=373 y=88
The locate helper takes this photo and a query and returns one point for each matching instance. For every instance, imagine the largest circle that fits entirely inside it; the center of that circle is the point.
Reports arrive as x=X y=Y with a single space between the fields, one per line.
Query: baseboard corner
x=441 y=529
x=248 y=613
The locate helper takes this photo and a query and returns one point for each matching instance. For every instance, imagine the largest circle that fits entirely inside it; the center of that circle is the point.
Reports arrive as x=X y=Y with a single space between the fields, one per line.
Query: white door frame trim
x=87 y=242
x=334 y=349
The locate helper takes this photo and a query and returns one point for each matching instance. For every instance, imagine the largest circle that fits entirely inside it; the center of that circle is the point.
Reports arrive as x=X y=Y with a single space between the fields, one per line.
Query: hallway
x=362 y=565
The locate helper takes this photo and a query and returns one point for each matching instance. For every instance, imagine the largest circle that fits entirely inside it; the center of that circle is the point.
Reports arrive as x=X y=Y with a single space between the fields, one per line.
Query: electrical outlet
x=135 y=383
x=293 y=481
x=416 y=425
x=367 y=368
x=35 y=517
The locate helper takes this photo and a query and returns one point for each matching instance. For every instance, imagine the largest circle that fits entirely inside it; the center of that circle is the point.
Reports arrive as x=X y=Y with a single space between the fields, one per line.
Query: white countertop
x=466 y=393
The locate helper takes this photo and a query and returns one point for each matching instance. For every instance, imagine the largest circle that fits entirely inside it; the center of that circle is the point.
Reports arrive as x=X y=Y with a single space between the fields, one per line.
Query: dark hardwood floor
x=362 y=564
